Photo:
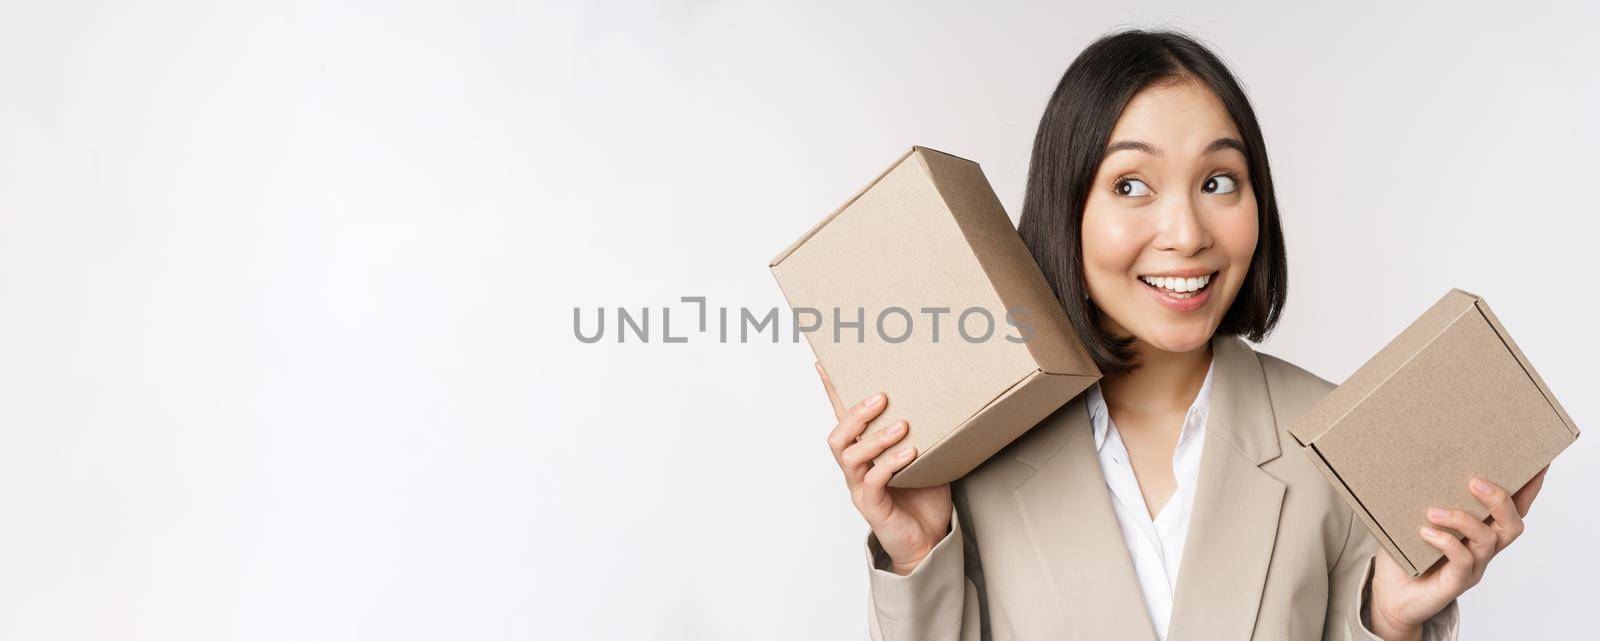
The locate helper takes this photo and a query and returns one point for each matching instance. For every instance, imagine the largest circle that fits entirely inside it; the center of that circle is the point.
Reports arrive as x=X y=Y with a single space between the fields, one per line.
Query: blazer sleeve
x=1350 y=590
x=937 y=601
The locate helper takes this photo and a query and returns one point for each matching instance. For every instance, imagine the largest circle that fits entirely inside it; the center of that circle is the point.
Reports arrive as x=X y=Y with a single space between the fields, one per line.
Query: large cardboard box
x=929 y=234
x=1450 y=397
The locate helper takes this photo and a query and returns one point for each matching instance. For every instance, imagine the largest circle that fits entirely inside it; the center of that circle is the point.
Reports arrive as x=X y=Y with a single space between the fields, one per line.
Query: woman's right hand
x=907 y=521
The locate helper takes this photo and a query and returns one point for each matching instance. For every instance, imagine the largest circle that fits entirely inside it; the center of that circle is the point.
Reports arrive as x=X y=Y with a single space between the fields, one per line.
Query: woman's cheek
x=1110 y=248
x=1240 y=229
x=1237 y=236
x=1112 y=237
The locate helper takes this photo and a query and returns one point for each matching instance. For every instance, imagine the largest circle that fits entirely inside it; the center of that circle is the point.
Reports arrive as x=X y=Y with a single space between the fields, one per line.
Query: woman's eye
x=1131 y=187
x=1220 y=184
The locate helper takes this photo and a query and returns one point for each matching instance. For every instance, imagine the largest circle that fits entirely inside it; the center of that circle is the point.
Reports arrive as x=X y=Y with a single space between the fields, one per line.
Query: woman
x=1151 y=211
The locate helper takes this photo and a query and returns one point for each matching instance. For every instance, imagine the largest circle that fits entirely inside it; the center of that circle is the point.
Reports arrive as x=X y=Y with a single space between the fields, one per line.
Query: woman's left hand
x=1401 y=604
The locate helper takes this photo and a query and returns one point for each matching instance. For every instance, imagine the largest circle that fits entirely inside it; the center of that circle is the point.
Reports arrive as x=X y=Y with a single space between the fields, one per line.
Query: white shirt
x=1156 y=545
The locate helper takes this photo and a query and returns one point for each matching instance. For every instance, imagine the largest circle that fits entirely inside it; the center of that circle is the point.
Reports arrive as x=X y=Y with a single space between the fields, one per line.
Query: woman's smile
x=1182 y=290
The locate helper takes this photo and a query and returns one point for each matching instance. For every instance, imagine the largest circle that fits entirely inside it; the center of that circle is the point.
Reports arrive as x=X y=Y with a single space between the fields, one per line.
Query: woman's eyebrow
x=1135 y=145
x=1140 y=145
x=1224 y=143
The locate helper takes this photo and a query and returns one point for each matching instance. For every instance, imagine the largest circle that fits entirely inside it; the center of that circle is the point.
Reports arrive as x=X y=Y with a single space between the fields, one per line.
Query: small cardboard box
x=929 y=234
x=1449 y=398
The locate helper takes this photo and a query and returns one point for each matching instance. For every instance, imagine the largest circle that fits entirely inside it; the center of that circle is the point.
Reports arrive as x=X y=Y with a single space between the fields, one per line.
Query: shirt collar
x=1194 y=419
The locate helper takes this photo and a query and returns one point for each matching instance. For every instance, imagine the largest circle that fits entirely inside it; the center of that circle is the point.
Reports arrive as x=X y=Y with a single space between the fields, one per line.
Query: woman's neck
x=1164 y=382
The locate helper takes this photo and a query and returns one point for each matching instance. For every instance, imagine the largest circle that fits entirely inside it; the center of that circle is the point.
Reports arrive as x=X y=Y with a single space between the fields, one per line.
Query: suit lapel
x=1235 y=519
x=1066 y=509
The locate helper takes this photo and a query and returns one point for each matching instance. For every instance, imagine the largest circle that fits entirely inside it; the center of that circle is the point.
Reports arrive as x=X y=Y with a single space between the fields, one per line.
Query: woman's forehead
x=1182 y=116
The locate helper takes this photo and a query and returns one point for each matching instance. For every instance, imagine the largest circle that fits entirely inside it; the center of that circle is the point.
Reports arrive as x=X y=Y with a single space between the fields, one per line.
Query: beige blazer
x=1035 y=552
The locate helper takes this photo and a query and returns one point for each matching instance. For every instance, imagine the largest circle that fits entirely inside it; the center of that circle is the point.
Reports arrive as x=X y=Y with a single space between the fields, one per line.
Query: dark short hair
x=1067 y=151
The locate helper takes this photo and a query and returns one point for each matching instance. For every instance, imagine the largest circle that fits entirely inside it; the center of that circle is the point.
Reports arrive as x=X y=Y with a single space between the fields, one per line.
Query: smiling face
x=1170 y=223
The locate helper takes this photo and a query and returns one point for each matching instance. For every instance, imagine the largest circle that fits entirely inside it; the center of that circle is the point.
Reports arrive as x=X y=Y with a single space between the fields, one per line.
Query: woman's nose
x=1182 y=230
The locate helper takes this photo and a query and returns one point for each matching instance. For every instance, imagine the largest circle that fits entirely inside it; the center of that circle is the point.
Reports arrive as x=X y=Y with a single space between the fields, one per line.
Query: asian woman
x=1166 y=501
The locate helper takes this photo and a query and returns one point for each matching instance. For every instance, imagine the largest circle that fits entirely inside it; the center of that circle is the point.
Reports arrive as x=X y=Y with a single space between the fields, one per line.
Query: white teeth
x=1179 y=285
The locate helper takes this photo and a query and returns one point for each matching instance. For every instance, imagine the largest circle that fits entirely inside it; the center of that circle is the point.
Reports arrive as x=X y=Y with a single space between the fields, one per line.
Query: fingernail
x=1438 y=514
x=876 y=400
x=905 y=453
x=1480 y=486
x=897 y=428
x=1431 y=533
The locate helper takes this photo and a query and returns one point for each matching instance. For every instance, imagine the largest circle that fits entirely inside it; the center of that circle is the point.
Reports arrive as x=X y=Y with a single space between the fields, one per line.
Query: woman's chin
x=1180 y=342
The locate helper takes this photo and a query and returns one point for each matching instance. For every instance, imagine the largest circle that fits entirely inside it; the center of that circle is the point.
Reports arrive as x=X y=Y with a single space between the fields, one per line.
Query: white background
x=286 y=290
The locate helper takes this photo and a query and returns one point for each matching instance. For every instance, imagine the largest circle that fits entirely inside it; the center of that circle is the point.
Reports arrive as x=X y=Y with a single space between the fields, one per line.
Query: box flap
x=1527 y=367
x=1008 y=264
x=1000 y=422
x=1360 y=509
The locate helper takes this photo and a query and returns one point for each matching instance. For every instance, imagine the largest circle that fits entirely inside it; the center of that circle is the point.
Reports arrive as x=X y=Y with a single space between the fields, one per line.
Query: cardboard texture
x=930 y=233
x=1450 y=397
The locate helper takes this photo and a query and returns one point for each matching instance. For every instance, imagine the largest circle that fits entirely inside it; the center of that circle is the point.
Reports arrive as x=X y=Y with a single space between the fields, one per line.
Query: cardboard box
x=1449 y=398
x=930 y=233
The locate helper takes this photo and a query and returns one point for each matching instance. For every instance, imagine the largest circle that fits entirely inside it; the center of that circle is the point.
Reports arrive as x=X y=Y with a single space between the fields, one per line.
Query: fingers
x=1482 y=540
x=874 y=490
x=1524 y=497
x=1457 y=573
x=853 y=421
x=868 y=448
x=833 y=397
x=1466 y=562
x=1507 y=521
